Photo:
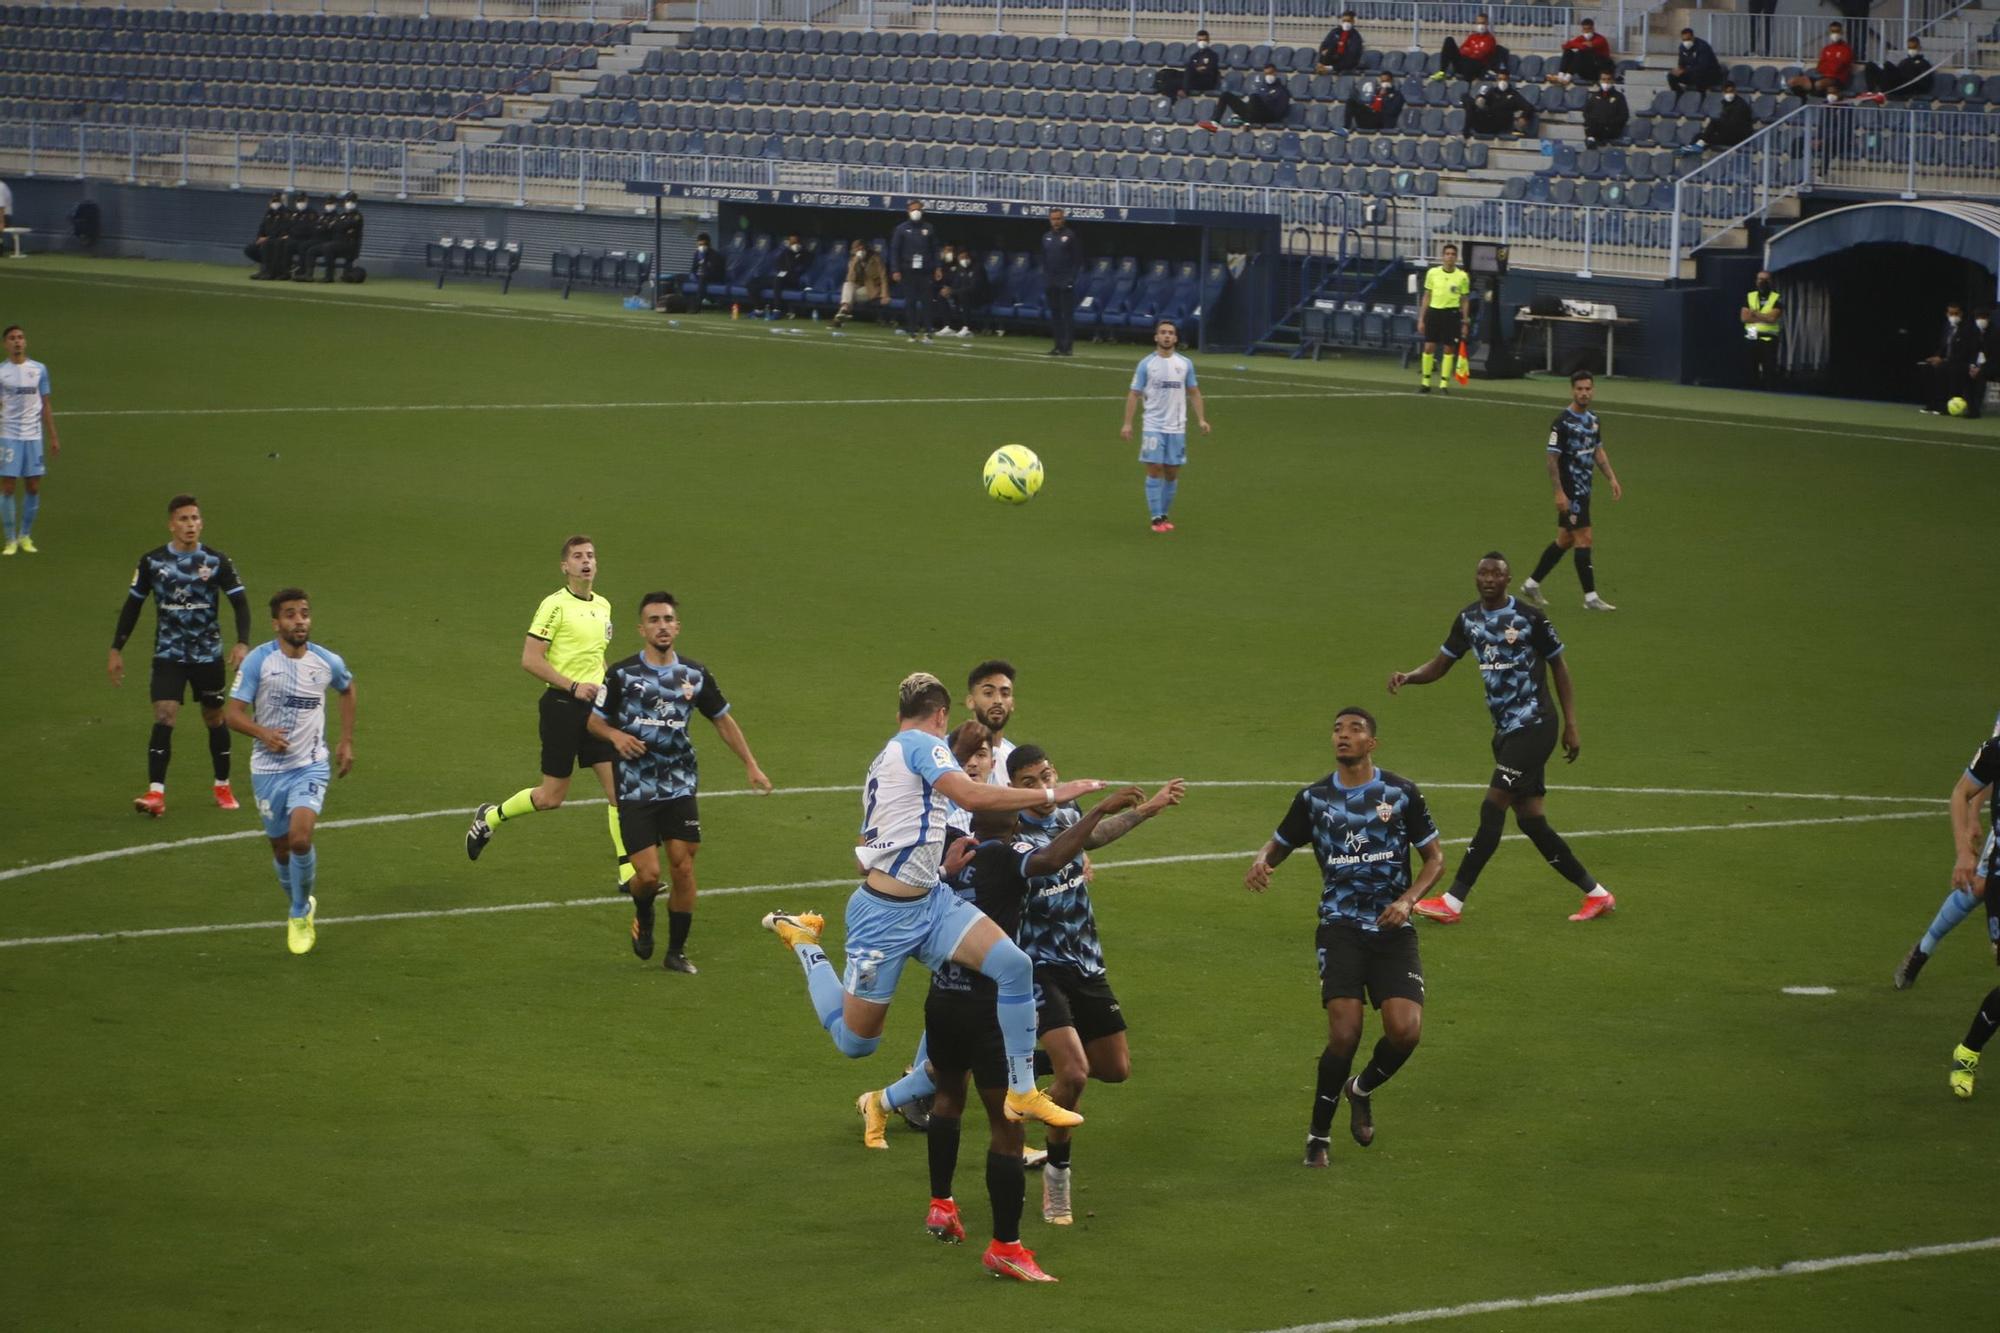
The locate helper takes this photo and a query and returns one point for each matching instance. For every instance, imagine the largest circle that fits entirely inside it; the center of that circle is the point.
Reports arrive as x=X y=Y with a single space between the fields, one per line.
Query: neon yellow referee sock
x=520 y=803
x=1445 y=364
x=1430 y=362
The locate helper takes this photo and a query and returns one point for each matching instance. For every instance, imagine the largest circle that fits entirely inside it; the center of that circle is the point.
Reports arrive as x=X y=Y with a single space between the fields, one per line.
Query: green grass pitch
x=506 y=1121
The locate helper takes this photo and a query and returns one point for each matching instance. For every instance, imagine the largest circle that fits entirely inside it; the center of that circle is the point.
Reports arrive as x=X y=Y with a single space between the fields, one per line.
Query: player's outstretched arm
x=1423 y=675
x=966 y=794
x=1566 y=695
x=1071 y=842
x=1268 y=858
x=1397 y=913
x=1111 y=830
x=732 y=736
x=236 y=714
x=343 y=753
x=625 y=743
x=1966 y=798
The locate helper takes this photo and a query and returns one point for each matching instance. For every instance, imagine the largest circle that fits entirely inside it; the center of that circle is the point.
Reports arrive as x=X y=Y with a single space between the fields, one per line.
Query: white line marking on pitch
x=846 y=881
x=1808 y=990
x=364 y=821
x=1726 y=1277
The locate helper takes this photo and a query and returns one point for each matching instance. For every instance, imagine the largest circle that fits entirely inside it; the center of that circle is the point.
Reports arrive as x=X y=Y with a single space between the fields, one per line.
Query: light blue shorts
x=1157 y=447
x=21 y=458
x=278 y=794
x=883 y=933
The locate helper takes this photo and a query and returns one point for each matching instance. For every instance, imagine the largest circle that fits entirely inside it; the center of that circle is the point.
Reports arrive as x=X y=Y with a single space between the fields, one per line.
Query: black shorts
x=1576 y=516
x=962 y=1033
x=1521 y=758
x=649 y=823
x=1375 y=965
x=1068 y=999
x=566 y=740
x=1444 y=326
x=173 y=680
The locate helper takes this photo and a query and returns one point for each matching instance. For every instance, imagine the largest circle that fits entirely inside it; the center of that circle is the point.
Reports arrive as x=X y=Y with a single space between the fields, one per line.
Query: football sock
x=1445 y=363
x=823 y=987
x=1059 y=1149
x=159 y=749
x=1957 y=906
x=1485 y=841
x=1984 y=1022
x=1007 y=1188
x=1333 y=1070
x=1168 y=490
x=31 y=504
x=1015 y=976
x=1382 y=1066
x=1430 y=363
x=520 y=803
x=643 y=905
x=7 y=516
x=917 y=1083
x=1552 y=555
x=678 y=926
x=218 y=752
x=1585 y=574
x=1556 y=852
x=941 y=1147
x=304 y=866
x=618 y=844
x=284 y=870
x=1153 y=488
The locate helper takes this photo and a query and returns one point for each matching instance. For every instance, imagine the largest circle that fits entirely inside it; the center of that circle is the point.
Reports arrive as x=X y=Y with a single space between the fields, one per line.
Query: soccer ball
x=1956 y=407
x=1013 y=474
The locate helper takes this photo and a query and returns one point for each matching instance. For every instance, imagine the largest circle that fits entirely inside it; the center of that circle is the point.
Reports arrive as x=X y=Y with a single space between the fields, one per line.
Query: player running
x=643 y=712
x=903 y=910
x=1974 y=864
x=1516 y=647
x=280 y=701
x=1576 y=455
x=1081 y=1024
x=1166 y=379
x=26 y=421
x=565 y=651
x=187 y=582
x=1441 y=316
x=1362 y=823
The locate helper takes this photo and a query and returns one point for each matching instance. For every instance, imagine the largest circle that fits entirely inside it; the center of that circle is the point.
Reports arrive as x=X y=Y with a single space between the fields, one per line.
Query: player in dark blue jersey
x=1516 y=649
x=962 y=1029
x=1362 y=823
x=187 y=582
x=1975 y=863
x=1080 y=1023
x=1576 y=454
x=643 y=711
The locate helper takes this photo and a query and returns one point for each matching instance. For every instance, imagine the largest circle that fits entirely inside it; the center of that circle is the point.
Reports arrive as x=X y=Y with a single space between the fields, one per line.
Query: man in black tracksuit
x=267 y=226
x=1269 y=102
x=1341 y=52
x=1497 y=108
x=292 y=229
x=789 y=271
x=913 y=268
x=705 y=266
x=962 y=291
x=1203 y=72
x=1062 y=260
x=1606 y=114
x=1948 y=370
x=339 y=240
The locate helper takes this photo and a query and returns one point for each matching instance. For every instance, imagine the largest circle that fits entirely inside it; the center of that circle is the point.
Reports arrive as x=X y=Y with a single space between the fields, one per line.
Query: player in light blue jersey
x=1969 y=872
x=27 y=422
x=1165 y=381
x=279 y=700
x=904 y=910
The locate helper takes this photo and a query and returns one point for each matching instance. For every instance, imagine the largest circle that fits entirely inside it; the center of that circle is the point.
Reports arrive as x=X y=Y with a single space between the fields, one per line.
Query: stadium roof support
x=1967 y=230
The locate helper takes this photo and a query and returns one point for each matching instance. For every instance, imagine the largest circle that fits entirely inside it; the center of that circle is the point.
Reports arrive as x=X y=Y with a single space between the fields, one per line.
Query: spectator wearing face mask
x=1829 y=77
x=1696 y=68
x=789 y=270
x=267 y=227
x=962 y=294
x=866 y=283
x=1268 y=104
x=1763 y=316
x=1341 y=52
x=1473 y=59
x=1856 y=12
x=290 y=232
x=705 y=266
x=1729 y=126
x=1201 y=74
x=1899 y=79
x=1376 y=105
x=340 y=239
x=317 y=235
x=1584 y=57
x=1606 y=113
x=1948 y=370
x=1985 y=361
x=1497 y=108
x=913 y=263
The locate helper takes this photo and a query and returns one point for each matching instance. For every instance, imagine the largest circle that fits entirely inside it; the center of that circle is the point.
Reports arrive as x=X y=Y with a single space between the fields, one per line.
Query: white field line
x=846 y=881
x=1726 y=1277
x=244 y=835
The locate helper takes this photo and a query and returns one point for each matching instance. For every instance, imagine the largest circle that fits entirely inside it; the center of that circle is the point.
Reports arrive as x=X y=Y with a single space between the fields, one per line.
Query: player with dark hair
x=903 y=909
x=1362 y=823
x=1165 y=383
x=1081 y=1024
x=1515 y=648
x=643 y=712
x=27 y=422
x=963 y=1035
x=565 y=651
x=187 y=582
x=989 y=697
x=1974 y=865
x=1576 y=454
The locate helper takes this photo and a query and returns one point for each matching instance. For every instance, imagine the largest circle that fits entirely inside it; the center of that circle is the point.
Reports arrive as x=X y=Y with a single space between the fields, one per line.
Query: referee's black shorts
x=172 y=680
x=1444 y=326
x=566 y=740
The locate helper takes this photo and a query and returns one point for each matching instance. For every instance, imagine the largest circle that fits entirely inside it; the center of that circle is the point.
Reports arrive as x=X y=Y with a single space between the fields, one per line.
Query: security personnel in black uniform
x=913 y=268
x=295 y=229
x=339 y=239
x=1763 y=317
x=321 y=231
x=274 y=213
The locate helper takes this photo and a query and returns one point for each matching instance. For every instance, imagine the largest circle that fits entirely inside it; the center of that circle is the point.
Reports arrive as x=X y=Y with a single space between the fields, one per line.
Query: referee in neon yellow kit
x=565 y=651
x=1441 y=317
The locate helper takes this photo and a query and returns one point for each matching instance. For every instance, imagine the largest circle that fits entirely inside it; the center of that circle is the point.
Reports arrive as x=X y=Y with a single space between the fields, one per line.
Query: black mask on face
x=1763 y=287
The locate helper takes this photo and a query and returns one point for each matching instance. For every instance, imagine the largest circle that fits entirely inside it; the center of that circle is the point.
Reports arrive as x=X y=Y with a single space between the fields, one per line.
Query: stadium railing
x=609 y=11
x=1797 y=38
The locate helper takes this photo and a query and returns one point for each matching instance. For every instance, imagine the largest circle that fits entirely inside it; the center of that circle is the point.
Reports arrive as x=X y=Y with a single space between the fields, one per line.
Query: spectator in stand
x=1829 y=78
x=1341 y=52
x=962 y=294
x=1606 y=114
x=1203 y=73
x=1584 y=57
x=1899 y=79
x=1062 y=260
x=1269 y=104
x=704 y=267
x=913 y=268
x=1473 y=59
x=1376 y=105
x=1948 y=370
x=1856 y=12
x=1497 y=108
x=1729 y=126
x=788 y=271
x=1698 y=70
x=866 y=284
x=1985 y=359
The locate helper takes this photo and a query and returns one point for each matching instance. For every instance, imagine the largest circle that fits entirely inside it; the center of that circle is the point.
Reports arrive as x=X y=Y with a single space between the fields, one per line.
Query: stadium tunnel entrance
x=1895 y=266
